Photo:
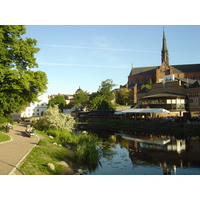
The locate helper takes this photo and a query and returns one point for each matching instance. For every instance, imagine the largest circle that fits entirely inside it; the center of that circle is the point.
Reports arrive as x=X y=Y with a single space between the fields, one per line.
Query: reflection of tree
x=107 y=150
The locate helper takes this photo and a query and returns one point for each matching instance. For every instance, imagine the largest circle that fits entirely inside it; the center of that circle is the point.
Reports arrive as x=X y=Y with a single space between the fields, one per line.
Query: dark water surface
x=142 y=154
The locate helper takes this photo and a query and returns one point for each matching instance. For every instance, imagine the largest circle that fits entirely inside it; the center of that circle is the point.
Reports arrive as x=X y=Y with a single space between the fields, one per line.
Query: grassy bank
x=79 y=153
x=152 y=127
x=46 y=152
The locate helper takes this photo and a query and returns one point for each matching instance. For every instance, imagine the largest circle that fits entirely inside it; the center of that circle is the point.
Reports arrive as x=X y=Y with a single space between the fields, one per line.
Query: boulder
x=80 y=171
x=63 y=163
x=51 y=166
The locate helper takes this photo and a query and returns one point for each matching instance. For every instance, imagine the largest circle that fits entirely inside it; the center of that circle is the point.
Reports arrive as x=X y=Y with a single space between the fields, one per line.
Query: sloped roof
x=164 y=94
x=185 y=68
x=143 y=70
x=195 y=84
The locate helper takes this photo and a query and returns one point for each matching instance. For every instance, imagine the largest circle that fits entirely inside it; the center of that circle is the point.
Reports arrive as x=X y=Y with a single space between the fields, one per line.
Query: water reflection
x=148 y=154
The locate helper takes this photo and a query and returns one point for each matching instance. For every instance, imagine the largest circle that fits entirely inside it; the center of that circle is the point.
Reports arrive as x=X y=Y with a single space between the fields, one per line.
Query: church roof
x=185 y=68
x=143 y=70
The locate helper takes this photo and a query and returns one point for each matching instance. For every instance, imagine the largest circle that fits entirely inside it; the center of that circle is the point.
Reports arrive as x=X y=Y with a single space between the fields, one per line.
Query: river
x=144 y=154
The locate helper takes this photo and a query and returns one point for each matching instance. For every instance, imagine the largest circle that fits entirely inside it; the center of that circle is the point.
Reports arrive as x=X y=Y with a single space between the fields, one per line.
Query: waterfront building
x=173 y=87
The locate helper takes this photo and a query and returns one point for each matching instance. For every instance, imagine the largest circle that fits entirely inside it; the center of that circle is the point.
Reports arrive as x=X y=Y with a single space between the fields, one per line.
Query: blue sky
x=86 y=55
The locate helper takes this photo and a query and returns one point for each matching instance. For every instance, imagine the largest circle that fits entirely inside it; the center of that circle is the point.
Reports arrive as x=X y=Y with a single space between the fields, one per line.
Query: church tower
x=164 y=52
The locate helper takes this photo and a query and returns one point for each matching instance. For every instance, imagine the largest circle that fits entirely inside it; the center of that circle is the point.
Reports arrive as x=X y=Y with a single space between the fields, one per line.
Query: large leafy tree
x=58 y=100
x=81 y=99
x=99 y=103
x=19 y=85
x=124 y=96
x=106 y=90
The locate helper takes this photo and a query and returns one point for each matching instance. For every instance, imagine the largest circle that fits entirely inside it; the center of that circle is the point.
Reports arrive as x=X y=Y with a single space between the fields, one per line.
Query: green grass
x=83 y=153
x=3 y=137
x=45 y=152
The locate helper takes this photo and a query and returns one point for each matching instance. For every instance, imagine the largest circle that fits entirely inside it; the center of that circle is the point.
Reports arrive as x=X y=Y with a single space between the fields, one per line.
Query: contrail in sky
x=97 y=48
x=83 y=65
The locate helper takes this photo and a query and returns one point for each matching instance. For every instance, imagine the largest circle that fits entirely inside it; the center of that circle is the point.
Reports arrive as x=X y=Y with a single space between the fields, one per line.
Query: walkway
x=15 y=150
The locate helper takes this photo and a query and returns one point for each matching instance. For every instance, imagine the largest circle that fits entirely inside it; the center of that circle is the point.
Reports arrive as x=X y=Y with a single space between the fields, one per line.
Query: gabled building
x=174 y=87
x=142 y=75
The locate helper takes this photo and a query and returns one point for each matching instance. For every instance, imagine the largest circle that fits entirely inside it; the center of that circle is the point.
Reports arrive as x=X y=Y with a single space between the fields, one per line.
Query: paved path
x=14 y=151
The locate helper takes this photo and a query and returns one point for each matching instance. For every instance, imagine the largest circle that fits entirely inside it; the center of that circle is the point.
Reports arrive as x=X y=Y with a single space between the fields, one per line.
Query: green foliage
x=87 y=154
x=58 y=100
x=63 y=136
x=53 y=119
x=19 y=86
x=106 y=91
x=148 y=86
x=98 y=103
x=124 y=96
x=81 y=99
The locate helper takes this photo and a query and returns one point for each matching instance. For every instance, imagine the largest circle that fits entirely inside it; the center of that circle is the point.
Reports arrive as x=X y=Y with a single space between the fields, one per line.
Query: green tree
x=81 y=99
x=105 y=90
x=98 y=103
x=124 y=96
x=19 y=86
x=58 y=100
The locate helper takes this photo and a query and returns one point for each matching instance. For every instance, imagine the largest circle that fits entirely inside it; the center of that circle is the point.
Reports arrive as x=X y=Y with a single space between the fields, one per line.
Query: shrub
x=87 y=154
x=53 y=119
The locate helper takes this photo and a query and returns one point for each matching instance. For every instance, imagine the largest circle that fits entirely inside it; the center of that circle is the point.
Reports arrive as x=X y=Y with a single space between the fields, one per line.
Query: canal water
x=145 y=154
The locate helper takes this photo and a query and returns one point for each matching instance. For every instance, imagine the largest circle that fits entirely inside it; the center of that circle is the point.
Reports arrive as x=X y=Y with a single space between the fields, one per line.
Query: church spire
x=164 y=51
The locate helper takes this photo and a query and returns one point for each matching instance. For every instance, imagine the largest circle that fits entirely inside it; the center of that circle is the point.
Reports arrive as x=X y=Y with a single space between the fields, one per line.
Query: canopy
x=142 y=110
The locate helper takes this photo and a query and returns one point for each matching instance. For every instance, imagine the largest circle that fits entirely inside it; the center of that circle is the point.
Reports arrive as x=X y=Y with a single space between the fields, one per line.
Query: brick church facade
x=184 y=75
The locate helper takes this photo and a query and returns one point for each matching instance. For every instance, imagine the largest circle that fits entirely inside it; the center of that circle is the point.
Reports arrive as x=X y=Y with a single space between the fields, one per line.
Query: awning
x=142 y=110
x=164 y=95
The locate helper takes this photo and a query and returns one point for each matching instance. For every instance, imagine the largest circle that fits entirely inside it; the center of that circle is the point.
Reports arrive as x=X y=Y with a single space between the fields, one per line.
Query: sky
x=83 y=56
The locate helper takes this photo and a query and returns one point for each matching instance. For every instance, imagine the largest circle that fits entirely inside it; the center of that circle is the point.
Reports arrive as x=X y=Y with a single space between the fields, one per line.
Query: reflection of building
x=175 y=154
x=36 y=109
x=156 y=143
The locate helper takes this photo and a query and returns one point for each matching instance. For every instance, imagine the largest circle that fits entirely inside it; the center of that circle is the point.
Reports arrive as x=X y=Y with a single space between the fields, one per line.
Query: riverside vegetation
x=78 y=151
x=58 y=143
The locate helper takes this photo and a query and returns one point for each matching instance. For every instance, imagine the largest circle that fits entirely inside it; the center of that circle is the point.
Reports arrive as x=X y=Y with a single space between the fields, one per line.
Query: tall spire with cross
x=164 y=52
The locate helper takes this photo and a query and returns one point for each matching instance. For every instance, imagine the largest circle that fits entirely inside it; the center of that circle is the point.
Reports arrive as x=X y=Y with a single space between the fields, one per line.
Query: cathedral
x=173 y=87
x=142 y=75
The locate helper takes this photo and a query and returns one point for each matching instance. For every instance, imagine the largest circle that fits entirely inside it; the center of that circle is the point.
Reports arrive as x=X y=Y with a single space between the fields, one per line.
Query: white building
x=36 y=109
